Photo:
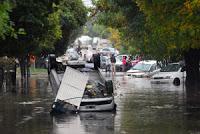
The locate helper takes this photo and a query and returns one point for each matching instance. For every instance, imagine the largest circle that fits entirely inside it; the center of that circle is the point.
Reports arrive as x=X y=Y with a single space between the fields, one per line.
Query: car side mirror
x=183 y=69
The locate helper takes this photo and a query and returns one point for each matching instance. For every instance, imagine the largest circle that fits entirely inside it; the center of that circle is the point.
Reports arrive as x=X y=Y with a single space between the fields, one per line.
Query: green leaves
x=37 y=25
x=173 y=25
x=160 y=28
x=5 y=24
x=73 y=15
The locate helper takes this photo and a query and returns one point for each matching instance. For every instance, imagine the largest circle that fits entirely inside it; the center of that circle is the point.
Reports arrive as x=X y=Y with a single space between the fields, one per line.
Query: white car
x=107 y=51
x=172 y=73
x=105 y=63
x=145 y=68
x=72 y=54
x=119 y=64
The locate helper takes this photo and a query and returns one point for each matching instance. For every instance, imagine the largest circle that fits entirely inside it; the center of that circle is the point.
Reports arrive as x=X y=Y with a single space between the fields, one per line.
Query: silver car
x=145 y=68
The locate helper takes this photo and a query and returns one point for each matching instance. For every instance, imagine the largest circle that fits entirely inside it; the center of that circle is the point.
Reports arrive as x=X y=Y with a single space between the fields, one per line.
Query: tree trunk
x=192 y=59
x=24 y=67
x=25 y=73
x=1 y=77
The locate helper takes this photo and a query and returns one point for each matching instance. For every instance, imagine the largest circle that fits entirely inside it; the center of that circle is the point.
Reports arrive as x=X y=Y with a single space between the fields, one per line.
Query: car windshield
x=142 y=67
x=171 y=68
x=105 y=49
x=118 y=60
x=103 y=59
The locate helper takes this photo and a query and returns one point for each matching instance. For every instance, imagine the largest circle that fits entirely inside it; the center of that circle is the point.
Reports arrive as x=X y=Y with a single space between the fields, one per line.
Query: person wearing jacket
x=113 y=61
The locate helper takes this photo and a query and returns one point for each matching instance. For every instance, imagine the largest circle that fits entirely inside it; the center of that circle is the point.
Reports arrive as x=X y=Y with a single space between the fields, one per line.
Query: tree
x=129 y=21
x=160 y=29
x=5 y=24
x=42 y=24
x=96 y=30
x=104 y=32
x=73 y=15
x=175 y=26
x=115 y=38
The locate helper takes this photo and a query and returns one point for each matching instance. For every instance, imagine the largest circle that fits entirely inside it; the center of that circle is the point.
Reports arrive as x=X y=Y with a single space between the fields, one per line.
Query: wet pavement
x=142 y=108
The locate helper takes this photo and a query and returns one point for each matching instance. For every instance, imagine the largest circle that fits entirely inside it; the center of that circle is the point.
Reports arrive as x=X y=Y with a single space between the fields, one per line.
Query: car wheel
x=176 y=82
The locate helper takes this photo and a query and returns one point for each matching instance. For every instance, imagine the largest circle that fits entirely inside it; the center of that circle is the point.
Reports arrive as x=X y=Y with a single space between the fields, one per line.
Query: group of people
x=126 y=63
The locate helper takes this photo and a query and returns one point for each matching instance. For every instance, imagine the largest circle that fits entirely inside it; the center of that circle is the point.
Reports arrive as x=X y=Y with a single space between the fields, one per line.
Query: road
x=142 y=108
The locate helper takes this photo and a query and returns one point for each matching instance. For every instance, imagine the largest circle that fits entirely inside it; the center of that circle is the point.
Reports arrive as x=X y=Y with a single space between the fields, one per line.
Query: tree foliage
x=5 y=24
x=96 y=30
x=127 y=18
x=174 y=25
x=73 y=15
x=158 y=28
x=115 y=38
x=41 y=25
x=32 y=18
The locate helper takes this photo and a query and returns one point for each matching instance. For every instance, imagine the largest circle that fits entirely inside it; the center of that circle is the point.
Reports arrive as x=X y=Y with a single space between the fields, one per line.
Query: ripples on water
x=142 y=108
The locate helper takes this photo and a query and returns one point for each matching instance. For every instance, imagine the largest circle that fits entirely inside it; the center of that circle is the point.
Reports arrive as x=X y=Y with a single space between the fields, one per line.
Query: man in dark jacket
x=113 y=61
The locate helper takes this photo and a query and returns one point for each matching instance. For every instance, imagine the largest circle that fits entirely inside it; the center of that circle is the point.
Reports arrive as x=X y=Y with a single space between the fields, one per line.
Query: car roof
x=175 y=63
x=148 y=61
x=122 y=55
x=106 y=57
x=108 y=48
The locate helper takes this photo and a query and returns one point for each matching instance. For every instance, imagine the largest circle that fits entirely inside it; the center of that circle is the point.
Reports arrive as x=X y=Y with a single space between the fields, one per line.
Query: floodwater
x=142 y=108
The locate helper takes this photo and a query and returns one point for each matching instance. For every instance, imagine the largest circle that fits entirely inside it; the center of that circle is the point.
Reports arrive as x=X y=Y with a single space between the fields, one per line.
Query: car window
x=121 y=56
x=153 y=67
x=118 y=60
x=105 y=49
x=103 y=60
x=142 y=67
x=171 y=68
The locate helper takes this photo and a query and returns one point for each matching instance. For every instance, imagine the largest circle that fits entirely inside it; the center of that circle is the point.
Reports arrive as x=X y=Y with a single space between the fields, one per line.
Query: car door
x=153 y=70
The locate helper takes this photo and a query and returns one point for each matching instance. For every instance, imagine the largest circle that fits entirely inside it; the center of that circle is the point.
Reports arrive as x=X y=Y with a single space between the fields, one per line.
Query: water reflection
x=98 y=123
x=141 y=108
x=88 y=122
x=192 y=112
x=163 y=108
x=26 y=111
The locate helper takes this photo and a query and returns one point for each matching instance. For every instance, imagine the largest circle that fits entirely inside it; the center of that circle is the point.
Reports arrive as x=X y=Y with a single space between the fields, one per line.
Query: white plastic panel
x=72 y=86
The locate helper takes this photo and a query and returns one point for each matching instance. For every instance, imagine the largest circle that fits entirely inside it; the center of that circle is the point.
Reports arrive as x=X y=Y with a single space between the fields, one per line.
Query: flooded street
x=142 y=107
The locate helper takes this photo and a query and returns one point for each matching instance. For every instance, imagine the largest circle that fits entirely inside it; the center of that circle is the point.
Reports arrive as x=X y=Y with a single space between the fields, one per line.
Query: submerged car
x=172 y=73
x=105 y=63
x=145 y=68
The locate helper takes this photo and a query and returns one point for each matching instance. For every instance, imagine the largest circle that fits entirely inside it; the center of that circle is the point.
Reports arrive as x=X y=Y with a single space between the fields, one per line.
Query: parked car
x=107 y=51
x=105 y=63
x=121 y=56
x=130 y=62
x=145 y=68
x=118 y=64
x=72 y=54
x=172 y=73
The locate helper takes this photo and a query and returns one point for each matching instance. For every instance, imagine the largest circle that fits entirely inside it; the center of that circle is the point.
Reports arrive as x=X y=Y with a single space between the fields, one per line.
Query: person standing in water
x=124 y=63
x=113 y=61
